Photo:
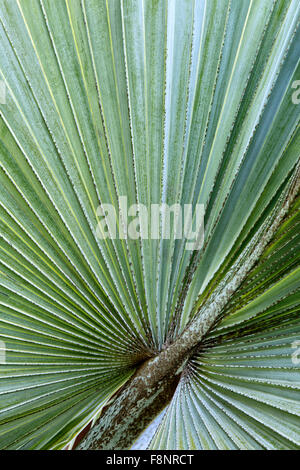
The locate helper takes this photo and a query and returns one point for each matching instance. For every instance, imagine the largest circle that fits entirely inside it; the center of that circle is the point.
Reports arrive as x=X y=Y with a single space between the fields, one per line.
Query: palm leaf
x=164 y=102
x=240 y=389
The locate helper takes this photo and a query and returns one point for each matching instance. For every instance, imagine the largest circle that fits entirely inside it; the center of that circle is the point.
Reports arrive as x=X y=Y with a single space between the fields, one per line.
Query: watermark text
x=161 y=221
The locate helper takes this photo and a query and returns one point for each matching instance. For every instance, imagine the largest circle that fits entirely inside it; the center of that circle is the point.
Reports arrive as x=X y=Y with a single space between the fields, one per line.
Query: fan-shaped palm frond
x=140 y=103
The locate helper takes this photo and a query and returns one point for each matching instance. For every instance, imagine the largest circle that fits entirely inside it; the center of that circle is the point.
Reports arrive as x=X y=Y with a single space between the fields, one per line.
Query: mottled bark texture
x=154 y=383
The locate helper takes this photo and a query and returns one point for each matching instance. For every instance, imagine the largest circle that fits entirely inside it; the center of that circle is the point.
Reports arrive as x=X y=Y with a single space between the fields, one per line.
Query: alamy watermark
x=2 y=352
x=296 y=353
x=161 y=221
x=296 y=94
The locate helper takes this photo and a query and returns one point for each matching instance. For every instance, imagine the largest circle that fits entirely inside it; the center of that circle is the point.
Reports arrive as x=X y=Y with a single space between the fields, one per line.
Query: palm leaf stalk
x=162 y=102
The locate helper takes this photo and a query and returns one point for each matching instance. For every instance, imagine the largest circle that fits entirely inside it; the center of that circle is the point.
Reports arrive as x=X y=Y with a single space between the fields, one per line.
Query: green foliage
x=175 y=101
